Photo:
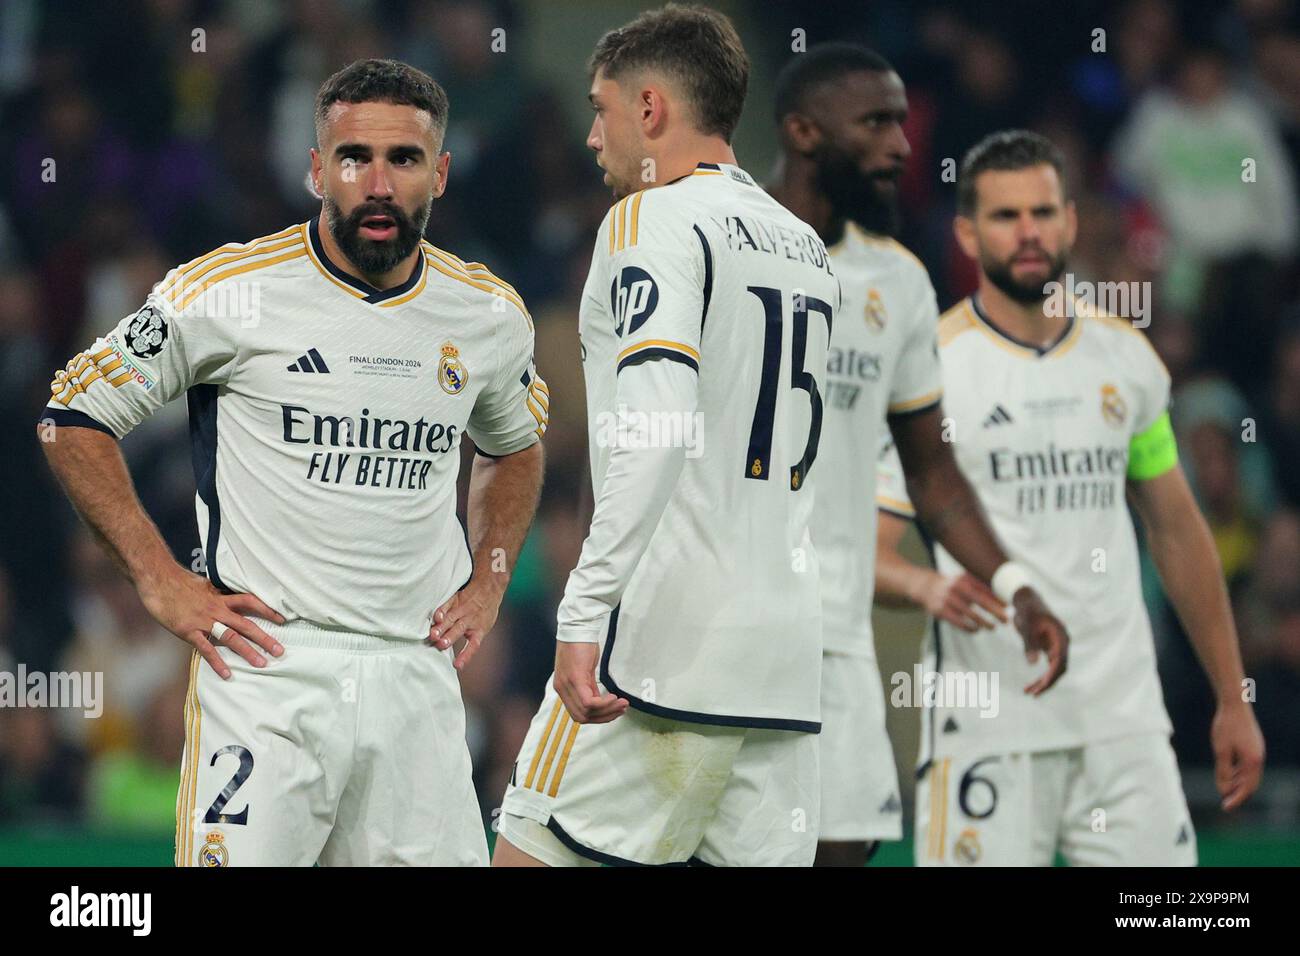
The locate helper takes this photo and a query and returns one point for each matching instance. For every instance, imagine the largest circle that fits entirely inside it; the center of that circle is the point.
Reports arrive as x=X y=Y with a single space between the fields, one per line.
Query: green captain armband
x=1153 y=452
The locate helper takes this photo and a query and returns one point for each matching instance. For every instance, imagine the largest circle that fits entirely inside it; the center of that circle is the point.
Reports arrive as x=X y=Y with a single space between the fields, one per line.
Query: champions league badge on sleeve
x=452 y=374
x=146 y=336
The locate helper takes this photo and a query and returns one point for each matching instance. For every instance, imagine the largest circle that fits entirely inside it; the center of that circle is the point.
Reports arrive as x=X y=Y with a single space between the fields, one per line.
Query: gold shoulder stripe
x=190 y=280
x=962 y=307
x=454 y=272
x=477 y=270
x=612 y=218
x=295 y=253
x=636 y=213
x=229 y=249
x=953 y=323
x=622 y=223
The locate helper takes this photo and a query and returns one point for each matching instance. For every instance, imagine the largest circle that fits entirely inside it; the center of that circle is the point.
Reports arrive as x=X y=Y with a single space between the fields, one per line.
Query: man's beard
x=854 y=194
x=375 y=257
x=1024 y=291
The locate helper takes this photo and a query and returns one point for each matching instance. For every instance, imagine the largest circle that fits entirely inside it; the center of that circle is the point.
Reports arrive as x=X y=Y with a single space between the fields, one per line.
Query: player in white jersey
x=840 y=109
x=1058 y=412
x=694 y=605
x=331 y=371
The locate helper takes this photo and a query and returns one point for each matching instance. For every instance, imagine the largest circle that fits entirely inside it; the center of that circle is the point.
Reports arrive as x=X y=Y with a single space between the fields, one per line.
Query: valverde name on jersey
x=756 y=235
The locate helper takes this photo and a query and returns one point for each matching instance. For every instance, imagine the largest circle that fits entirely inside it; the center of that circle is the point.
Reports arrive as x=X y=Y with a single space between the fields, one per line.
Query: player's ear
x=963 y=229
x=440 y=169
x=317 y=172
x=652 y=110
x=1071 y=223
x=801 y=133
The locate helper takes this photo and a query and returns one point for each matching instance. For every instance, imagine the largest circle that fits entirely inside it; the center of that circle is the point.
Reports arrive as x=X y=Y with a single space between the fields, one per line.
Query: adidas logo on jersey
x=891 y=805
x=950 y=726
x=311 y=362
x=999 y=416
x=1183 y=836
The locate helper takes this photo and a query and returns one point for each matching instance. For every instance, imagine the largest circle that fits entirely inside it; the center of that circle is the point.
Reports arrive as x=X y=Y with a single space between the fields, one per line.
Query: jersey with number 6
x=1048 y=438
x=709 y=609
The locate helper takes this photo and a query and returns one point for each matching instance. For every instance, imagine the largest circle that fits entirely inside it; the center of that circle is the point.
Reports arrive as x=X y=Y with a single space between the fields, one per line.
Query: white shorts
x=859 y=779
x=349 y=750
x=645 y=790
x=1115 y=803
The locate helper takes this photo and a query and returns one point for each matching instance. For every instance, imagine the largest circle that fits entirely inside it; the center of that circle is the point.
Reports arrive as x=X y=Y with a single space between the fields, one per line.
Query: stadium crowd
x=1182 y=132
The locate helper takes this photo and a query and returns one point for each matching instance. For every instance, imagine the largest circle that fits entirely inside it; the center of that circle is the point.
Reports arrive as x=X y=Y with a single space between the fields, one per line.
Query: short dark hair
x=694 y=45
x=824 y=63
x=383 y=81
x=1005 y=150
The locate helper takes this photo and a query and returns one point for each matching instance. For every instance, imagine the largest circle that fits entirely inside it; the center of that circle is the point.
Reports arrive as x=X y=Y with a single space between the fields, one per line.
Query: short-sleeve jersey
x=720 y=621
x=1043 y=436
x=883 y=360
x=326 y=418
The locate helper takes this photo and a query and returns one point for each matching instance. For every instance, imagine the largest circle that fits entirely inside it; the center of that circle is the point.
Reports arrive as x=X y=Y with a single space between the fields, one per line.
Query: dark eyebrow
x=415 y=152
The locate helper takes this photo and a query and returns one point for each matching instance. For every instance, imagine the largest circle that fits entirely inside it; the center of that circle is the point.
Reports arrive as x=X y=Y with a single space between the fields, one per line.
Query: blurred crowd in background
x=163 y=152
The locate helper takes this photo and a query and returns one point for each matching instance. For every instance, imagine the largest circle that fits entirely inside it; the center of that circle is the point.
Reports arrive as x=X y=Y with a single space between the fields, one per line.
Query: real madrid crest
x=1113 y=408
x=452 y=374
x=875 y=311
x=967 y=848
x=214 y=852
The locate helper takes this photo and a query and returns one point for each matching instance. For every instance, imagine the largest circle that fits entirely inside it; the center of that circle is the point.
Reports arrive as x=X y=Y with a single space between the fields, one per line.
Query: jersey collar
x=357 y=287
x=717 y=169
x=1028 y=349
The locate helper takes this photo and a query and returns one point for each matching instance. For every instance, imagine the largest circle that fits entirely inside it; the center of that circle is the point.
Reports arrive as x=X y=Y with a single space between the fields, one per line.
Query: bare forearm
x=951 y=512
x=503 y=495
x=945 y=503
x=89 y=466
x=899 y=582
x=1193 y=578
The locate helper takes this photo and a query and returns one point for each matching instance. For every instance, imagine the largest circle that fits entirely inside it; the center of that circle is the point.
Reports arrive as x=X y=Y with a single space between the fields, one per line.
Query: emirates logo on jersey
x=1113 y=407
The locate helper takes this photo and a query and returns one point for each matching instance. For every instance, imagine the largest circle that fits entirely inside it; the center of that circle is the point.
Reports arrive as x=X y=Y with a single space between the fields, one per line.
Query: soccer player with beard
x=331 y=370
x=1059 y=414
x=840 y=110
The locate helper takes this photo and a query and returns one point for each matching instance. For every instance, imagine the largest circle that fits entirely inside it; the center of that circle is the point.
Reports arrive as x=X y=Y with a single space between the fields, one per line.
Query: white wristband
x=1007 y=580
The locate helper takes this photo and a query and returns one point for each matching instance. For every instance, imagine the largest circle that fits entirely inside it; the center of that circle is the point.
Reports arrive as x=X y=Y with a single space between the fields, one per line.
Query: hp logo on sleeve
x=632 y=298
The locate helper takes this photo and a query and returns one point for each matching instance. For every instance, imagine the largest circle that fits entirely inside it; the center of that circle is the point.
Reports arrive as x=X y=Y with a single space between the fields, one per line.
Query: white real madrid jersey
x=705 y=323
x=1043 y=436
x=326 y=418
x=883 y=360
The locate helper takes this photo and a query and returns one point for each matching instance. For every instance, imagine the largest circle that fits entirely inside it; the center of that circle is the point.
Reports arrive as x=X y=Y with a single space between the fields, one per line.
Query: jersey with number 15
x=716 y=618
